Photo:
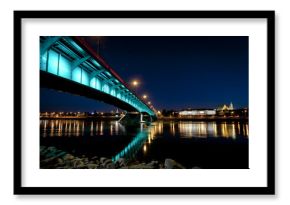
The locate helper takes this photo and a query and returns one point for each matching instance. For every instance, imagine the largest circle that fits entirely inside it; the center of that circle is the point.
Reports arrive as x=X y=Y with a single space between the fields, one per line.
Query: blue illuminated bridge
x=69 y=64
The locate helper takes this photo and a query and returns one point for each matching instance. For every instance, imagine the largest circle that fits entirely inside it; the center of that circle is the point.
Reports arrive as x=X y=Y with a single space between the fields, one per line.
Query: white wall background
x=282 y=99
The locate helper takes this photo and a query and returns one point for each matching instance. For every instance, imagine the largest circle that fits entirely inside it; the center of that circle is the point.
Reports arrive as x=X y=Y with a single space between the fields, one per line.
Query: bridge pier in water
x=134 y=118
x=141 y=118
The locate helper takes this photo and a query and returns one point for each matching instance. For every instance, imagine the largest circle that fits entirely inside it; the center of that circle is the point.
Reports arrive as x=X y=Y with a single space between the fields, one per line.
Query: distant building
x=220 y=111
x=226 y=110
x=225 y=107
x=197 y=112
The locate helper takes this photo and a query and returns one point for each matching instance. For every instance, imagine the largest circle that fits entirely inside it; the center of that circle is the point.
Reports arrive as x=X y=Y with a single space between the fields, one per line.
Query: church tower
x=231 y=107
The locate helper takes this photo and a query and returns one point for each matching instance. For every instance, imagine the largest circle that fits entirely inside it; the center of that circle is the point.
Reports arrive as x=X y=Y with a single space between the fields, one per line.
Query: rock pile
x=52 y=158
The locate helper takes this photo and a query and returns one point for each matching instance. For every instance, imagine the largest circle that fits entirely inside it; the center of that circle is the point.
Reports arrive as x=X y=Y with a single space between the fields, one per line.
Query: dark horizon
x=175 y=72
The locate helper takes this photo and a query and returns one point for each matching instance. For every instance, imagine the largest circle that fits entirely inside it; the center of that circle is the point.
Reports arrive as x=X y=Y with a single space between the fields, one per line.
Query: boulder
x=85 y=160
x=171 y=164
x=105 y=162
x=154 y=164
x=121 y=162
x=60 y=161
x=97 y=162
x=51 y=149
x=92 y=166
x=110 y=166
x=83 y=166
x=103 y=159
x=94 y=158
x=57 y=153
x=76 y=163
x=68 y=157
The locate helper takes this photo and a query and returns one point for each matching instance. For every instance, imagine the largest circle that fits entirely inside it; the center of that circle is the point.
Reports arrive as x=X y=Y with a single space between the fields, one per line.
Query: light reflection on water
x=78 y=128
x=211 y=129
x=146 y=134
x=184 y=129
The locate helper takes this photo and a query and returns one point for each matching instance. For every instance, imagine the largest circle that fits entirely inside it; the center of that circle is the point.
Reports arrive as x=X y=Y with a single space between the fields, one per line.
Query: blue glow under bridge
x=71 y=65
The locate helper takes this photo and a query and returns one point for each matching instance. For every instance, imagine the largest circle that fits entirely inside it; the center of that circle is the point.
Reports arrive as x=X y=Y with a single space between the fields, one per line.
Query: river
x=199 y=144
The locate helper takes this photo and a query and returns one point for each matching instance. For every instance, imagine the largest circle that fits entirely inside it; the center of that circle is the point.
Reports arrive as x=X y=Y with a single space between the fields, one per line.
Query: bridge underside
x=51 y=81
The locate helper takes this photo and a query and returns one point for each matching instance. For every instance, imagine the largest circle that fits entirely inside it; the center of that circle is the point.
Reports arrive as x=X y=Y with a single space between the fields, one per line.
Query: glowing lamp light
x=135 y=83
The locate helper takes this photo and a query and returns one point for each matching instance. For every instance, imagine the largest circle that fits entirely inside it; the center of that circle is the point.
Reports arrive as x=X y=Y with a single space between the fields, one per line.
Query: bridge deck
x=70 y=65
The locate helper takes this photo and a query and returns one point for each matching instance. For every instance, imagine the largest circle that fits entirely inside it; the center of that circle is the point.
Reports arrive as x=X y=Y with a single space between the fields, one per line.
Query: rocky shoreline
x=53 y=158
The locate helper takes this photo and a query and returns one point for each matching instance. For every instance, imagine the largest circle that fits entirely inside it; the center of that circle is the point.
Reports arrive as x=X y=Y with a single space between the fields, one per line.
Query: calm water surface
x=194 y=144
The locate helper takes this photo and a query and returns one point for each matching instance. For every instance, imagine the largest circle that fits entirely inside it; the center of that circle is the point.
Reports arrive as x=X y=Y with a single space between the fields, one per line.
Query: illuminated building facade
x=225 y=107
x=197 y=112
x=223 y=110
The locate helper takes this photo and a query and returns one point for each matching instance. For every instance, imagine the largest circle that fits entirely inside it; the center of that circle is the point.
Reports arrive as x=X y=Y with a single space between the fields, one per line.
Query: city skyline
x=175 y=72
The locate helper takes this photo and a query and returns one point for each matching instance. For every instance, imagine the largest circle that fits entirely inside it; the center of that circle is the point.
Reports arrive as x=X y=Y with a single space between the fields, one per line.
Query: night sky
x=175 y=72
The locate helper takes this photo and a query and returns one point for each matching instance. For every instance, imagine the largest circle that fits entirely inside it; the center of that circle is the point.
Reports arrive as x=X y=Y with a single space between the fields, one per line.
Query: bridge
x=70 y=64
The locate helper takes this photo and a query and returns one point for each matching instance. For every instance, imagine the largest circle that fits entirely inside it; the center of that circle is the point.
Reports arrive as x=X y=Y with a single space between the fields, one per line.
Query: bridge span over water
x=69 y=64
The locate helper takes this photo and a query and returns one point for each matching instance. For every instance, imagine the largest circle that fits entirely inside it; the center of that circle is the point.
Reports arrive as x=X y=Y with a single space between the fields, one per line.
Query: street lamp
x=145 y=96
x=135 y=83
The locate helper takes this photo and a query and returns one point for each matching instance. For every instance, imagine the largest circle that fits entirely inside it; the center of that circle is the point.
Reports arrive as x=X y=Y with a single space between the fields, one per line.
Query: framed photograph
x=144 y=102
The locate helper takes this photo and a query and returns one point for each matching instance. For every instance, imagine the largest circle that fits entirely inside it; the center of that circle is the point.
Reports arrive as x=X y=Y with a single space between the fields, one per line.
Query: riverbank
x=205 y=119
x=53 y=158
x=175 y=119
x=80 y=118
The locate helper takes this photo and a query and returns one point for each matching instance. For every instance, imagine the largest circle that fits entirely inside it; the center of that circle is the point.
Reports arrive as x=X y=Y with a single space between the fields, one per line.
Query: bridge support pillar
x=141 y=117
x=135 y=118
x=141 y=126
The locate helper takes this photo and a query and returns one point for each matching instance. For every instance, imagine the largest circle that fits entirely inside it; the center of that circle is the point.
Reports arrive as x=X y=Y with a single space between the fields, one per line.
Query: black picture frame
x=268 y=15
